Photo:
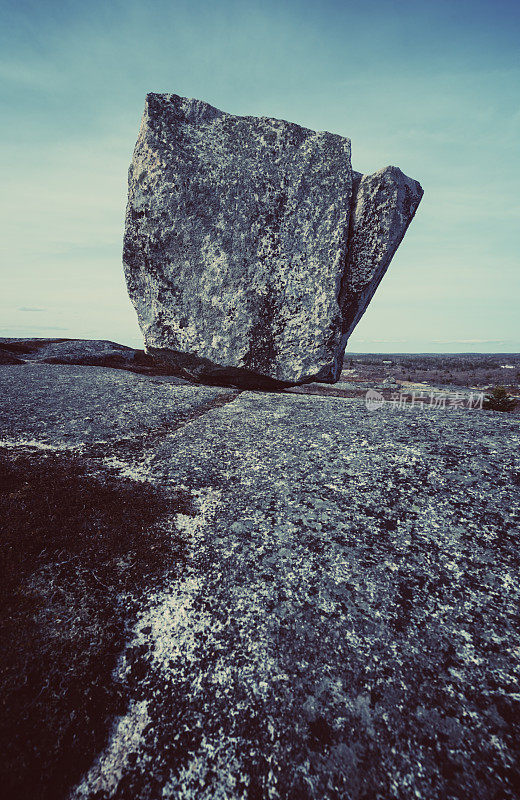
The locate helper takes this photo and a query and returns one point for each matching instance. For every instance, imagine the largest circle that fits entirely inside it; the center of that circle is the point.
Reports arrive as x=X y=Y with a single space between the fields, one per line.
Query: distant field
x=441 y=369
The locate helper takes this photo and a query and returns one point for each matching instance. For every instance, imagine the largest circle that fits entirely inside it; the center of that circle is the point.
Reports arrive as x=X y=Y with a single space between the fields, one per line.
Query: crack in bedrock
x=97 y=449
x=216 y=402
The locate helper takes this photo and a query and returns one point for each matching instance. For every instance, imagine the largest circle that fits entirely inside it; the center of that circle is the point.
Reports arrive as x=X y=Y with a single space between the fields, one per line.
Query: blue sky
x=432 y=87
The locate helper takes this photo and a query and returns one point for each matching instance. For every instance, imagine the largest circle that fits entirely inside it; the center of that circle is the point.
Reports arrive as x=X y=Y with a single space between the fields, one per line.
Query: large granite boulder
x=236 y=246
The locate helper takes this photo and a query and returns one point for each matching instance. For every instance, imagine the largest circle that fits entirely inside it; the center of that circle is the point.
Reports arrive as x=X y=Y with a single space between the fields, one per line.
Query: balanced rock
x=237 y=247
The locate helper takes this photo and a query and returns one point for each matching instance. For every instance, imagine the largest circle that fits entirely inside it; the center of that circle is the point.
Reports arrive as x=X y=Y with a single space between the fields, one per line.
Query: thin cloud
x=25 y=329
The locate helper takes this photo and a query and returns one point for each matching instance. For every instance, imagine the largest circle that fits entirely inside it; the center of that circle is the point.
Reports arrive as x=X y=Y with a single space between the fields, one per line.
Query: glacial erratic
x=247 y=256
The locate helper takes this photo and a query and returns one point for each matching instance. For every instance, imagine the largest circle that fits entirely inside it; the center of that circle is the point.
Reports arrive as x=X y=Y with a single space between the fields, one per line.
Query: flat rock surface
x=345 y=625
x=62 y=405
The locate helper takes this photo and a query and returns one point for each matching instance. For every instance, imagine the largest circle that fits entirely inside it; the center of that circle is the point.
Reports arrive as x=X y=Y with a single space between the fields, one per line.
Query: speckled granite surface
x=237 y=235
x=62 y=405
x=346 y=625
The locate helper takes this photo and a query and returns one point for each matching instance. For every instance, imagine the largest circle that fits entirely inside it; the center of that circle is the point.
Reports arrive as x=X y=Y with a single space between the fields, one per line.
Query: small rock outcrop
x=383 y=205
x=251 y=249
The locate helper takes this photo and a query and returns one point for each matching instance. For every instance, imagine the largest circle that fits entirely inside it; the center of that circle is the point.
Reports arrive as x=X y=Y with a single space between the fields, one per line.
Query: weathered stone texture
x=236 y=242
x=383 y=206
x=344 y=621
